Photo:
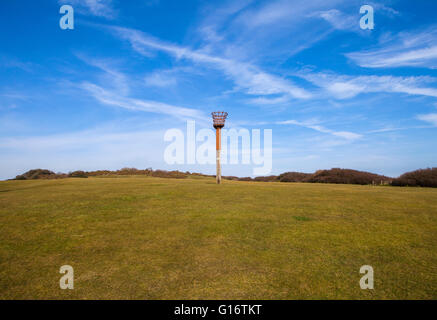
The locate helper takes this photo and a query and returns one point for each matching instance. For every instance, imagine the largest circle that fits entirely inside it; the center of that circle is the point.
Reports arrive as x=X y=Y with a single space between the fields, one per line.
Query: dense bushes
x=47 y=174
x=231 y=178
x=137 y=172
x=78 y=174
x=335 y=175
x=40 y=174
x=294 y=177
x=168 y=174
x=245 y=179
x=266 y=179
x=421 y=177
x=347 y=176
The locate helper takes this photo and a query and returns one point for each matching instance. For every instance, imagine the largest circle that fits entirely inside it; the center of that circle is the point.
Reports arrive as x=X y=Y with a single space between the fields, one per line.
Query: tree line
x=418 y=178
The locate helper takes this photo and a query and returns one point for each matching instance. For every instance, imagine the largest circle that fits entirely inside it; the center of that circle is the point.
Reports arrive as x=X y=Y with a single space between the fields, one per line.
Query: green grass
x=152 y=238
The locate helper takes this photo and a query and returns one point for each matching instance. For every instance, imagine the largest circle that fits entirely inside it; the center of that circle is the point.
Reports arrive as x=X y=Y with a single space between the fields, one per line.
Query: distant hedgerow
x=347 y=176
x=39 y=174
x=422 y=177
x=418 y=178
x=78 y=174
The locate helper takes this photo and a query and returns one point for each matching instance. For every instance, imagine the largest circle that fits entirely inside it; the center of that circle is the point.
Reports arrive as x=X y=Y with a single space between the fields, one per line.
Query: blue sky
x=101 y=96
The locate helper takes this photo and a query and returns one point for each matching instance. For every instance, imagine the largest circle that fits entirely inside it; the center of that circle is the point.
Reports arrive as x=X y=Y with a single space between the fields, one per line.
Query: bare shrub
x=347 y=176
x=78 y=174
x=421 y=177
x=293 y=176
x=168 y=174
x=38 y=174
x=266 y=179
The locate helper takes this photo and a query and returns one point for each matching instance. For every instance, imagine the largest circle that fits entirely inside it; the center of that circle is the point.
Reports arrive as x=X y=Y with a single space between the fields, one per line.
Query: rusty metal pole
x=218 y=134
x=219 y=118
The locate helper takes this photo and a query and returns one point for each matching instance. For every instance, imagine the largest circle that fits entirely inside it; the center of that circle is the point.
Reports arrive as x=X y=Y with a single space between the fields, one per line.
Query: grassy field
x=152 y=238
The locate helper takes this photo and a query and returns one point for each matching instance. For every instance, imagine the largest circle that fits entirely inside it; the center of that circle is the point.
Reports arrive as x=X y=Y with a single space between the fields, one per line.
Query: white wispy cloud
x=99 y=8
x=12 y=62
x=67 y=140
x=282 y=12
x=344 y=87
x=247 y=77
x=162 y=79
x=314 y=126
x=430 y=118
x=406 y=49
x=337 y=19
x=392 y=129
x=269 y=101
x=113 y=99
x=115 y=92
x=111 y=75
x=246 y=30
x=381 y=7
